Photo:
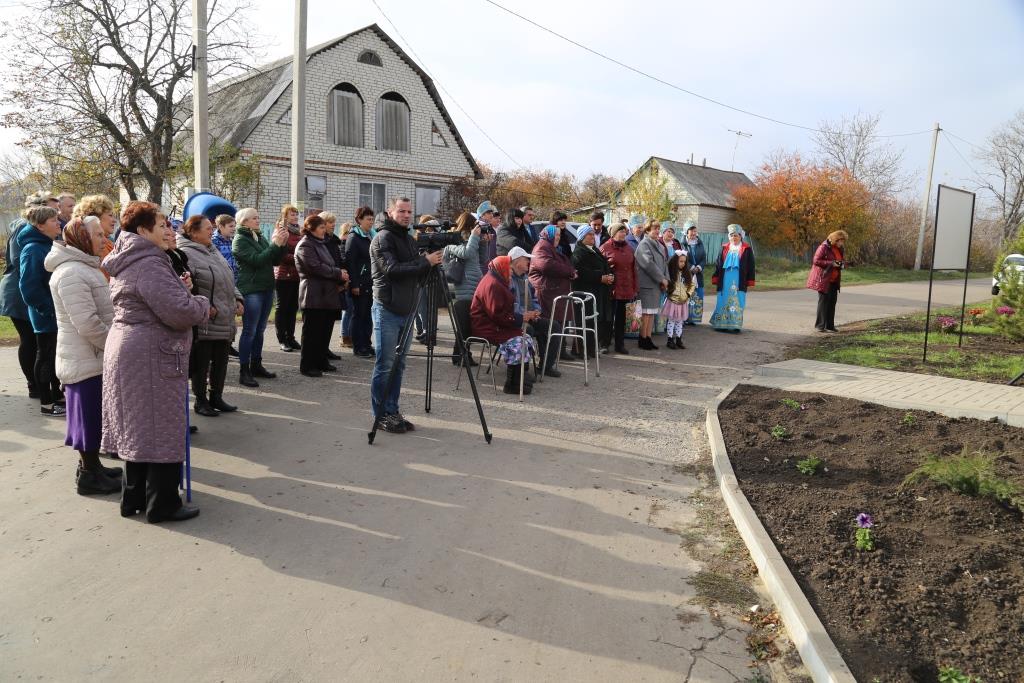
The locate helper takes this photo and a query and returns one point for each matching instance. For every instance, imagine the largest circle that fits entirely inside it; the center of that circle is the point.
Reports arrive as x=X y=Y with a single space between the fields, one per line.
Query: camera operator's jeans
x=387 y=328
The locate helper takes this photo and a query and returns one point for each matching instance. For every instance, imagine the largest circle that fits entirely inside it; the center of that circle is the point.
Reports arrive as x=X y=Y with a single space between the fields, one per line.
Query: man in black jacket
x=514 y=233
x=396 y=267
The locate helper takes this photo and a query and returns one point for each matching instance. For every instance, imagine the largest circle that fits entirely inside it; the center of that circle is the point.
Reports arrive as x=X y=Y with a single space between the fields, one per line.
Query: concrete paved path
x=953 y=397
x=552 y=554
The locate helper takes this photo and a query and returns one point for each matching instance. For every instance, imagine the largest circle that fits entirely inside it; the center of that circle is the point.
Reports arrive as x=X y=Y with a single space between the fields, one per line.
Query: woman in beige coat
x=81 y=300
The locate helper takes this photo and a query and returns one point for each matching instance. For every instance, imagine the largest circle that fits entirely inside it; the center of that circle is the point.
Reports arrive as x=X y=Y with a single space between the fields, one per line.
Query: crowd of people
x=114 y=326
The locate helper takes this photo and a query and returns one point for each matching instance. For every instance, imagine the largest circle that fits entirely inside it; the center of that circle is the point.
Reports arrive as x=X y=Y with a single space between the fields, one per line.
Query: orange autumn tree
x=796 y=204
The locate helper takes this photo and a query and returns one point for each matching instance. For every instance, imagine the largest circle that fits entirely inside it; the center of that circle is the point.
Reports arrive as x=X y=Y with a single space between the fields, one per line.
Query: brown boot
x=346 y=342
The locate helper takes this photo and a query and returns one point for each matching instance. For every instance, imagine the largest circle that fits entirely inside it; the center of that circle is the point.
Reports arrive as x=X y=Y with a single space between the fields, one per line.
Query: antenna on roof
x=739 y=134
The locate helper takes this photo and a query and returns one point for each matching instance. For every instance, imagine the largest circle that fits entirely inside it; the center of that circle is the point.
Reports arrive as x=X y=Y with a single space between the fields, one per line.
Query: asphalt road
x=552 y=554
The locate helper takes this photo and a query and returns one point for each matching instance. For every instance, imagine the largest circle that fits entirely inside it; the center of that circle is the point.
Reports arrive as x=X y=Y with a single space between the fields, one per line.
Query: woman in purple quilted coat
x=145 y=371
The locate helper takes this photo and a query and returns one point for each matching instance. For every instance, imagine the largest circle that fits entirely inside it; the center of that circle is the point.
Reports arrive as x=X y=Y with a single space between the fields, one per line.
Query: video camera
x=429 y=242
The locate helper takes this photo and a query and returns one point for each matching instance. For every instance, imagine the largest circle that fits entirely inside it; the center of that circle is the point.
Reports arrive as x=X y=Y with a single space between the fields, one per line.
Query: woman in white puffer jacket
x=81 y=299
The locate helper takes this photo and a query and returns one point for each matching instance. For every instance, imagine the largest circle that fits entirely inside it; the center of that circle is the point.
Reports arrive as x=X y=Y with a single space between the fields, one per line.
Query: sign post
x=951 y=246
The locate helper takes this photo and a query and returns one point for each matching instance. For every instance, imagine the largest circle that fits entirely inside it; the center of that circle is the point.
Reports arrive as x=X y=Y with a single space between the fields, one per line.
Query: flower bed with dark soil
x=944 y=586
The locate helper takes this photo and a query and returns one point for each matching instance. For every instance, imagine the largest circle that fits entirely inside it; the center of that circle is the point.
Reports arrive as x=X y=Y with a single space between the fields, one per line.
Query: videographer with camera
x=396 y=266
x=826 y=272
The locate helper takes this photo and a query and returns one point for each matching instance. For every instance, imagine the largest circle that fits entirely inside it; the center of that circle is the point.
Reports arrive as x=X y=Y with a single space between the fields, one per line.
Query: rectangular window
x=316 y=186
x=372 y=195
x=348 y=119
x=428 y=199
x=392 y=126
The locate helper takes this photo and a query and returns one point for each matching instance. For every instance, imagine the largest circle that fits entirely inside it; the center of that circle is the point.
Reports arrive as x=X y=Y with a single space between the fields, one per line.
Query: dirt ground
x=945 y=585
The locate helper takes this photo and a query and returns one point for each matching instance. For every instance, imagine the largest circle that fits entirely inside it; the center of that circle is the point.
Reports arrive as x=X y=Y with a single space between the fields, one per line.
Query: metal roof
x=710 y=186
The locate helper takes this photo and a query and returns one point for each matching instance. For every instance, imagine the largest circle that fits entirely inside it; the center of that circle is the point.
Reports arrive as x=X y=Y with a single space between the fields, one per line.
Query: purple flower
x=864 y=521
x=1005 y=310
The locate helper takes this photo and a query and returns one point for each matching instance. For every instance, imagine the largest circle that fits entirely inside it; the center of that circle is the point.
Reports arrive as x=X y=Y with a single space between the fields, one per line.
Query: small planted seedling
x=951 y=674
x=808 y=466
x=865 y=539
x=908 y=420
x=779 y=432
x=790 y=403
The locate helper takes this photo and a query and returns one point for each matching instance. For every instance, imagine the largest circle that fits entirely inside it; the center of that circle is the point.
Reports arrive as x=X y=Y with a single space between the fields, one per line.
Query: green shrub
x=972 y=475
x=1011 y=293
x=951 y=674
x=779 y=432
x=809 y=466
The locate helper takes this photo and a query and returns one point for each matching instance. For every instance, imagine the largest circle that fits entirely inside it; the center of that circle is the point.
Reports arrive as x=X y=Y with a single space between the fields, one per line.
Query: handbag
x=454 y=269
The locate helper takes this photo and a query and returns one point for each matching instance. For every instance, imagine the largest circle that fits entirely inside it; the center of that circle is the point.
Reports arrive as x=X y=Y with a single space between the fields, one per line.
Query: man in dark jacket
x=396 y=266
x=514 y=232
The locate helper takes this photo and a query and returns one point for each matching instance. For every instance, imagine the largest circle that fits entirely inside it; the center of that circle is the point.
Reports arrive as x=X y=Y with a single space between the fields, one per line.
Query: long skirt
x=697 y=307
x=85 y=414
x=728 y=313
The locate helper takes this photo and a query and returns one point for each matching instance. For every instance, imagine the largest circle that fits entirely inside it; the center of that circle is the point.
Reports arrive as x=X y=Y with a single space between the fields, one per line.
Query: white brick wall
x=714 y=219
x=346 y=167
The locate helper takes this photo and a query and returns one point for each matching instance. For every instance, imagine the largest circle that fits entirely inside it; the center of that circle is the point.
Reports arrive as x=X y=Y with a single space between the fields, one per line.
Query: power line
x=962 y=157
x=682 y=89
x=968 y=142
x=450 y=96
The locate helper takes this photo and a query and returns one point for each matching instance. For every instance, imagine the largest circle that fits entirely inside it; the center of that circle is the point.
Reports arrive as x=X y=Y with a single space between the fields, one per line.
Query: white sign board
x=954 y=214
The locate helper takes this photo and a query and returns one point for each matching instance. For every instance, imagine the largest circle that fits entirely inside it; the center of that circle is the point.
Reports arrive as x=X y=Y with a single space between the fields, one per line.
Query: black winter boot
x=91 y=478
x=217 y=403
x=679 y=343
x=245 y=376
x=92 y=462
x=202 y=407
x=671 y=344
x=257 y=369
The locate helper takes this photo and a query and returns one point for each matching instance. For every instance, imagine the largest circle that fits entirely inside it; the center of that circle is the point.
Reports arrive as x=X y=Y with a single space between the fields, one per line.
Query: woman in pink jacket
x=826 y=273
x=145 y=372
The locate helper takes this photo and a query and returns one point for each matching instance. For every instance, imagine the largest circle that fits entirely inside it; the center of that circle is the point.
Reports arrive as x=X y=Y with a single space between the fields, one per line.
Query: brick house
x=698 y=192
x=375 y=128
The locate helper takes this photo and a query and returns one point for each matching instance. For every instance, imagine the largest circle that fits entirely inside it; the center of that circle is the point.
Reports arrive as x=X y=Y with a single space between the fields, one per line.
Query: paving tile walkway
x=953 y=397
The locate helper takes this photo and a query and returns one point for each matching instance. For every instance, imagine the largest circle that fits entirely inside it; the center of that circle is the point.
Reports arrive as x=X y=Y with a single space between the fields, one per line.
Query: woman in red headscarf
x=493 y=315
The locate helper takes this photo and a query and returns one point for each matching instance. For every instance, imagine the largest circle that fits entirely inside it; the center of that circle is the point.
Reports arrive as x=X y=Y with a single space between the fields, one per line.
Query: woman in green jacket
x=256 y=258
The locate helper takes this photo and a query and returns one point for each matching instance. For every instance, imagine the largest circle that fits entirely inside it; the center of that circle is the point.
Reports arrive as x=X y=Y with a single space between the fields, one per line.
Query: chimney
x=691 y=158
x=704 y=162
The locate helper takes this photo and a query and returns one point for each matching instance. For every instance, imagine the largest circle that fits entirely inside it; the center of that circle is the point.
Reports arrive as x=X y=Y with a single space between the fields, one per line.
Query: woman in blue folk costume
x=698 y=257
x=734 y=273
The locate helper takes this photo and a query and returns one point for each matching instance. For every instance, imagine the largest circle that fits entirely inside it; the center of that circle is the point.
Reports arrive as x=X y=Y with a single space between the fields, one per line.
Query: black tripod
x=434 y=284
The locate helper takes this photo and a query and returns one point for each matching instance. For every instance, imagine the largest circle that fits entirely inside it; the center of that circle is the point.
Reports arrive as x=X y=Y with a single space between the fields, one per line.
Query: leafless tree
x=1003 y=175
x=853 y=144
x=113 y=76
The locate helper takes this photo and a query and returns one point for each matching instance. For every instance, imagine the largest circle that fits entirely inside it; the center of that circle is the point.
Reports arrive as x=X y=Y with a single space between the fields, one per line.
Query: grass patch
x=809 y=466
x=727 y=590
x=8 y=335
x=972 y=475
x=897 y=344
x=780 y=274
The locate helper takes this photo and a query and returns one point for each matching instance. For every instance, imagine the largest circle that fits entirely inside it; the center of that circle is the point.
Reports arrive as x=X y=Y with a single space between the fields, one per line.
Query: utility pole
x=739 y=134
x=299 y=110
x=924 y=202
x=200 y=107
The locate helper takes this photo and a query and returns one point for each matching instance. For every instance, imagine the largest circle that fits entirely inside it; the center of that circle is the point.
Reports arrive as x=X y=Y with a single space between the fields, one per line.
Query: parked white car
x=1013 y=261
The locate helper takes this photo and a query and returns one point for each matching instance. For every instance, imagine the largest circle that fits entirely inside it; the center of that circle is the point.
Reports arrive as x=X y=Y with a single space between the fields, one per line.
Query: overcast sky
x=550 y=104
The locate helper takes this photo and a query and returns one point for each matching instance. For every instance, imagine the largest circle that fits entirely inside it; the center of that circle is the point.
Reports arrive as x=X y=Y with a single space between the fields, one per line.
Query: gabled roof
x=238 y=104
x=709 y=186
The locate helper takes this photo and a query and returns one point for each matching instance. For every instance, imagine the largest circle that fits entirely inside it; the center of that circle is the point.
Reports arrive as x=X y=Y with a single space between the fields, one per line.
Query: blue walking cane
x=188 y=451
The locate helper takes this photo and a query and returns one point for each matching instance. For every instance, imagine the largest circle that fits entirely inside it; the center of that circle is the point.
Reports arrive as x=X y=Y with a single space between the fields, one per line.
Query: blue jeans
x=255 y=313
x=387 y=328
x=346 y=316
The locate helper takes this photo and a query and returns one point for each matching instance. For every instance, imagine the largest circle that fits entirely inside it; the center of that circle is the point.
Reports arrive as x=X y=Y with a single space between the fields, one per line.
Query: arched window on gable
x=345 y=116
x=369 y=57
x=393 y=123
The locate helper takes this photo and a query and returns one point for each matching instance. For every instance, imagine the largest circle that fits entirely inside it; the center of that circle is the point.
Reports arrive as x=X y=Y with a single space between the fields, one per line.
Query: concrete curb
x=817 y=650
